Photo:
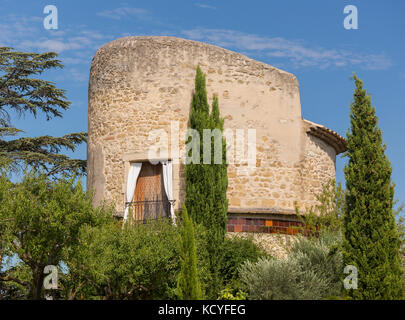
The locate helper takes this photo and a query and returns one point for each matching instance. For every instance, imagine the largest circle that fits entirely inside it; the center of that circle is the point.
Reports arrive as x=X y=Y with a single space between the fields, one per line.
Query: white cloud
x=205 y=6
x=119 y=13
x=76 y=44
x=28 y=34
x=14 y=28
x=79 y=75
x=45 y=44
x=93 y=34
x=297 y=52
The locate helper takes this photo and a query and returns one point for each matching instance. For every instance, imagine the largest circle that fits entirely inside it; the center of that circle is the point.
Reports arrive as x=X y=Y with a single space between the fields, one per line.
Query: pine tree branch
x=21 y=92
x=43 y=152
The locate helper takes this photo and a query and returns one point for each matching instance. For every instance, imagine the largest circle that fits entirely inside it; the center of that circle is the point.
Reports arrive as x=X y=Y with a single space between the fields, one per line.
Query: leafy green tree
x=132 y=263
x=327 y=214
x=10 y=290
x=188 y=286
x=206 y=183
x=371 y=238
x=40 y=221
x=23 y=91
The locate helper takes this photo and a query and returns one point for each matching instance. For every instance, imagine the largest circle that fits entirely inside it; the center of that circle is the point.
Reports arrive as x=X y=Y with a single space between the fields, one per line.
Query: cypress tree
x=188 y=285
x=206 y=184
x=220 y=175
x=198 y=201
x=371 y=238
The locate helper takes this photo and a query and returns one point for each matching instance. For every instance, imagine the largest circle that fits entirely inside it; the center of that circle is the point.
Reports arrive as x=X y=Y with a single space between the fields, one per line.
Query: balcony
x=142 y=211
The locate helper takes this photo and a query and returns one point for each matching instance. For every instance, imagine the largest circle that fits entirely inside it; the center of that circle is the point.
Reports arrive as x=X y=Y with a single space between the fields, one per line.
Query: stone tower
x=139 y=85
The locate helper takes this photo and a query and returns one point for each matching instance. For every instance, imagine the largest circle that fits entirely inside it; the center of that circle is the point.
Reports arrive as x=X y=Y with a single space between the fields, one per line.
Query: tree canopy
x=23 y=91
x=372 y=240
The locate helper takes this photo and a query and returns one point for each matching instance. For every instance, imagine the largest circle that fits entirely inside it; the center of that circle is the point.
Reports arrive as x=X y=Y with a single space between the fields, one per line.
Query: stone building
x=139 y=85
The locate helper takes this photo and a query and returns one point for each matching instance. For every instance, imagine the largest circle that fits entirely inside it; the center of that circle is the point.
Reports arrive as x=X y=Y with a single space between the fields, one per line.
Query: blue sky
x=306 y=38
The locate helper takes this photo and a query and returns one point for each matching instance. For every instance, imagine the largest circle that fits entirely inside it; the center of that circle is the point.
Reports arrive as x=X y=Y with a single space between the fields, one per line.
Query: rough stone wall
x=138 y=84
x=277 y=245
x=318 y=168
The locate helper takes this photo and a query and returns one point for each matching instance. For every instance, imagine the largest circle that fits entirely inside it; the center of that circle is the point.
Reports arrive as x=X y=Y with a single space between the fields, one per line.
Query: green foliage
x=371 y=238
x=203 y=259
x=139 y=262
x=199 y=201
x=312 y=270
x=188 y=286
x=47 y=221
x=227 y=294
x=23 y=91
x=234 y=252
x=40 y=223
x=401 y=229
x=12 y=290
x=220 y=178
x=206 y=184
x=327 y=214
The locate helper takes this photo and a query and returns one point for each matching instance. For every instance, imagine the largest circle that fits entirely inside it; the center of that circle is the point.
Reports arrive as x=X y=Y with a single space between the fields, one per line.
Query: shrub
x=131 y=263
x=234 y=253
x=327 y=214
x=270 y=279
x=311 y=271
x=227 y=294
x=188 y=284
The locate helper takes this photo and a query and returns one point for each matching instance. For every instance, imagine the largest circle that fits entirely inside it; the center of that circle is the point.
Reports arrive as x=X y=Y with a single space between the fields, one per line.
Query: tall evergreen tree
x=206 y=183
x=188 y=286
x=220 y=171
x=371 y=238
x=199 y=175
x=23 y=91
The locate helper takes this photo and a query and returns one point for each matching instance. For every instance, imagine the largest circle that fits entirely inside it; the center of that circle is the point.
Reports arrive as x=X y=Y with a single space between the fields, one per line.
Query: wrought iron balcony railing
x=149 y=210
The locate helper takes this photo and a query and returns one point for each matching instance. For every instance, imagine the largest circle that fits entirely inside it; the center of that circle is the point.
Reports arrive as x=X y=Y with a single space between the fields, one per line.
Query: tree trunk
x=38 y=279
